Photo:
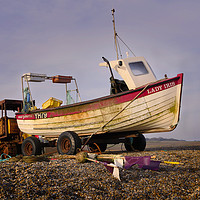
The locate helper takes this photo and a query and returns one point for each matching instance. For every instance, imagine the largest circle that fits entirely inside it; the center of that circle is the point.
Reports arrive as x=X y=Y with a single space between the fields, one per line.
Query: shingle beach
x=67 y=179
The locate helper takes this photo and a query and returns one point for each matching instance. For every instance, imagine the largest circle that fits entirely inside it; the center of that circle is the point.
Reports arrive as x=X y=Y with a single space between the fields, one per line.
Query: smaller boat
x=137 y=105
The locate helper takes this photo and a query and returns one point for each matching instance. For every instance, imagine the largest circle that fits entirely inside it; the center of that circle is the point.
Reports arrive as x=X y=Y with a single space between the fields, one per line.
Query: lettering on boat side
x=25 y=116
x=161 y=87
x=169 y=85
x=40 y=115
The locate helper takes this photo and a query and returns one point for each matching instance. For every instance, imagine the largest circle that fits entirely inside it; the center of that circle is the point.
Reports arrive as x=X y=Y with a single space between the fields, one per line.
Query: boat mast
x=117 y=47
x=115 y=34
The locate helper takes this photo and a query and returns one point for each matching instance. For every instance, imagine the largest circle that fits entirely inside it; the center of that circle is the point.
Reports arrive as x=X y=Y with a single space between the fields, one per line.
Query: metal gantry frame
x=34 y=77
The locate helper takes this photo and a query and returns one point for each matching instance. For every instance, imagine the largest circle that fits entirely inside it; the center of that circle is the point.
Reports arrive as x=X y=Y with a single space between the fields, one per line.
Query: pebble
x=68 y=179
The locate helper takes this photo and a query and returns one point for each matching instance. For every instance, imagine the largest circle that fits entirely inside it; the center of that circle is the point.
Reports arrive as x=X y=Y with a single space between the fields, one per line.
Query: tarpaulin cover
x=154 y=165
x=140 y=161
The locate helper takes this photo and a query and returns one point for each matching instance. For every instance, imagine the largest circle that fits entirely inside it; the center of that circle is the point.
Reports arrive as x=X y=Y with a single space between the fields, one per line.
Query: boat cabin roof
x=135 y=71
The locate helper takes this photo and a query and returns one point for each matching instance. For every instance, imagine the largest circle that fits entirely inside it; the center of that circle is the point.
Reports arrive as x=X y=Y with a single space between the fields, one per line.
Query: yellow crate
x=52 y=103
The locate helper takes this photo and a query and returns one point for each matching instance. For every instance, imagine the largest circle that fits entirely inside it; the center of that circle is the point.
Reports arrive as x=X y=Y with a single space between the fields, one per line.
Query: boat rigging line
x=102 y=127
x=116 y=37
x=115 y=33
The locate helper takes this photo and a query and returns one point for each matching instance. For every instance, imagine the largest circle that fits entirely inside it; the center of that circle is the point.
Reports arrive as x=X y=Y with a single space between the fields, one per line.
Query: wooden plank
x=1 y=127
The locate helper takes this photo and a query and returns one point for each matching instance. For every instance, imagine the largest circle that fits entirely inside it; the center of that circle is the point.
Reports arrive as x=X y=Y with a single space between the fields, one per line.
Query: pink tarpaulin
x=154 y=165
x=140 y=161
x=144 y=162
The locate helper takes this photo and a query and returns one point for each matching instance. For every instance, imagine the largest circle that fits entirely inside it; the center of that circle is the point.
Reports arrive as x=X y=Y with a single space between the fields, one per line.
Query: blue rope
x=1 y=159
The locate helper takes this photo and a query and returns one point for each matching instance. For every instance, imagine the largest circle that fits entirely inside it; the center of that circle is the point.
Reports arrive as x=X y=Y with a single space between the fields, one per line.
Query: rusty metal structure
x=10 y=135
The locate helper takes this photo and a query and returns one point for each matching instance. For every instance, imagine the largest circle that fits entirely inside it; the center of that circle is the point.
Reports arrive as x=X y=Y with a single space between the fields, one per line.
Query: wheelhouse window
x=138 y=68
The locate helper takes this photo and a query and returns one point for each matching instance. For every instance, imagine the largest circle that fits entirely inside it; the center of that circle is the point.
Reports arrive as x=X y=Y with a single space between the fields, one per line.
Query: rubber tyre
x=135 y=143
x=68 y=143
x=102 y=146
x=31 y=146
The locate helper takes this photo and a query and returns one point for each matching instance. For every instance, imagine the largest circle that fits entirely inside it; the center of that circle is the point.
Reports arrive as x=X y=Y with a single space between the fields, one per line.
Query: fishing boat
x=137 y=105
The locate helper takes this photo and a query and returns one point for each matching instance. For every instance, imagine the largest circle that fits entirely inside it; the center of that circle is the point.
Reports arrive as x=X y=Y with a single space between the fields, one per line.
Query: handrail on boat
x=34 y=77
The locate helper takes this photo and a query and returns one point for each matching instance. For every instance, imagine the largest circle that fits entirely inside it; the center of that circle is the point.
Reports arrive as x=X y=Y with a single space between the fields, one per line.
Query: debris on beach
x=68 y=179
x=119 y=161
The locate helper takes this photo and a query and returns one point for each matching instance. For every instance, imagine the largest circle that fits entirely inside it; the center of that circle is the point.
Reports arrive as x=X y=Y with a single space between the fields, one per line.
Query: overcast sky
x=69 y=37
